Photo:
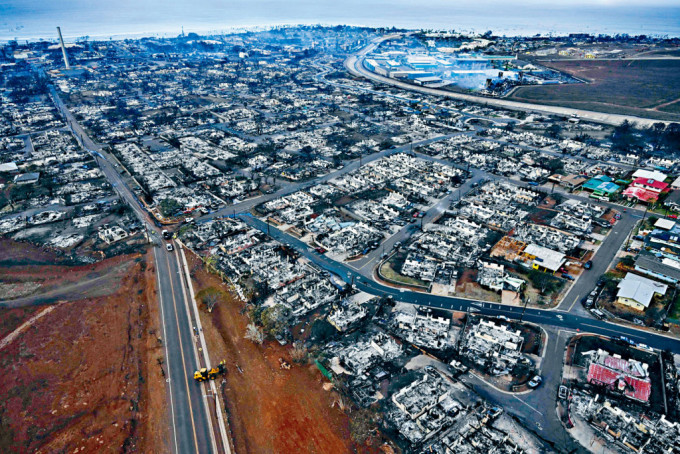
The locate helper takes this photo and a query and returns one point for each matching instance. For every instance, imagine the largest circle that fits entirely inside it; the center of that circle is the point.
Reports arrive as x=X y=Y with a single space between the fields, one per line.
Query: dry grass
x=633 y=87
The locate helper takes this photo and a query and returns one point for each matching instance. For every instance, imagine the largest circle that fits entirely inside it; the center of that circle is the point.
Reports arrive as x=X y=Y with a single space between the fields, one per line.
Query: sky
x=34 y=19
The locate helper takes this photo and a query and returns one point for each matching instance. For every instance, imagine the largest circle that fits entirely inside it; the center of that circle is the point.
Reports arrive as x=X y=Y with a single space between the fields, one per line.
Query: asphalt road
x=191 y=430
x=604 y=256
x=190 y=424
x=557 y=319
x=536 y=409
x=355 y=65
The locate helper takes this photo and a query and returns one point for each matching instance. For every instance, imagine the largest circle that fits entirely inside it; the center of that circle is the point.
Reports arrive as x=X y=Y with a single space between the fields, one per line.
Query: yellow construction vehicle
x=205 y=374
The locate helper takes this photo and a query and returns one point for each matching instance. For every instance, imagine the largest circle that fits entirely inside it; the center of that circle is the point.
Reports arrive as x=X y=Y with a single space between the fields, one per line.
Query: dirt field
x=270 y=409
x=33 y=274
x=15 y=253
x=11 y=319
x=638 y=87
x=468 y=287
x=84 y=377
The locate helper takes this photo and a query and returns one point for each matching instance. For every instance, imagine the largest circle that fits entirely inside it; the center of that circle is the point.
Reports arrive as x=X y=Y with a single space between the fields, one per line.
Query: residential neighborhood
x=302 y=249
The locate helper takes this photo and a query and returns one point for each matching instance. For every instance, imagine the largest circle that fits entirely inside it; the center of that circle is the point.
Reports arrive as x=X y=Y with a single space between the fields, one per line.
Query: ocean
x=37 y=19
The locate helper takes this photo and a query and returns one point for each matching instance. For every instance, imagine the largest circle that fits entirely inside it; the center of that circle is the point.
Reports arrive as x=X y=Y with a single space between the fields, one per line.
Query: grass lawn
x=388 y=273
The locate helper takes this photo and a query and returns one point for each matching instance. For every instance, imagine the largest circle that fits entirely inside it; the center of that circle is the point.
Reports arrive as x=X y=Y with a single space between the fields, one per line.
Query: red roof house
x=645 y=190
x=619 y=375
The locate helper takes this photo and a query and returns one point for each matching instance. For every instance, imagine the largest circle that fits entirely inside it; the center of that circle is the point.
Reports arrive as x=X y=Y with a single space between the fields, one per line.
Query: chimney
x=63 y=49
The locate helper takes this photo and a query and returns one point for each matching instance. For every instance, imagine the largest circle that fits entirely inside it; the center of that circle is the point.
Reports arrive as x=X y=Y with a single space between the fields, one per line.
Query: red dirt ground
x=11 y=319
x=270 y=409
x=25 y=265
x=84 y=378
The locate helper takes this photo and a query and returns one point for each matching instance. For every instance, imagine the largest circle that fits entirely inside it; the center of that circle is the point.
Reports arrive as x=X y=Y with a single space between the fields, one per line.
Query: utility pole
x=526 y=301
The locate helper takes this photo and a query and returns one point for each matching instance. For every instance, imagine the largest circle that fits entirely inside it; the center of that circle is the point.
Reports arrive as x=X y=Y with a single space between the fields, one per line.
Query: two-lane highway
x=191 y=428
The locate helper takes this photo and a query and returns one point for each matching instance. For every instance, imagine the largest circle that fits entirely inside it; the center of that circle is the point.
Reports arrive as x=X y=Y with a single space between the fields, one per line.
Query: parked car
x=535 y=382
x=568 y=277
x=563 y=392
x=627 y=340
x=458 y=366
x=645 y=347
x=588 y=265
x=597 y=313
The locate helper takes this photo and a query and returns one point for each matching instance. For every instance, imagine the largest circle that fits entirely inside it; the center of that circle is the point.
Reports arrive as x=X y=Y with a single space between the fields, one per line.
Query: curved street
x=355 y=65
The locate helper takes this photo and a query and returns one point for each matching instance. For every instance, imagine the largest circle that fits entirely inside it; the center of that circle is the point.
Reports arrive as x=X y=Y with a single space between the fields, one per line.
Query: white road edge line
x=193 y=344
x=165 y=344
x=204 y=347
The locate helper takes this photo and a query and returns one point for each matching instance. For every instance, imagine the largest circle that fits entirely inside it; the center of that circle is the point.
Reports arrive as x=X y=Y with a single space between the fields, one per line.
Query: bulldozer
x=212 y=373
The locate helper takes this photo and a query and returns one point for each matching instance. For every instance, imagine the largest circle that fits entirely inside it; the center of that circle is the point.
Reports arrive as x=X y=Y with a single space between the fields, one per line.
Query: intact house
x=645 y=190
x=666 y=269
x=638 y=292
x=627 y=377
x=673 y=200
x=601 y=185
x=544 y=259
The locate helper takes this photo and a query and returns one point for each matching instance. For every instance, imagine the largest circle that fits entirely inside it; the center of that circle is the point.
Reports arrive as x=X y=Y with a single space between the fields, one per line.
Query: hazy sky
x=34 y=19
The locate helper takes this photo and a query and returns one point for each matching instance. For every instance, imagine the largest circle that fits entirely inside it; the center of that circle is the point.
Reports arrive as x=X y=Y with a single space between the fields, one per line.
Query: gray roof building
x=27 y=178
x=651 y=266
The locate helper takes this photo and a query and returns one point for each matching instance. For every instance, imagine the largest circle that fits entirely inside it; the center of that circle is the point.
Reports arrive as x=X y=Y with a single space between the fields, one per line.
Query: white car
x=535 y=382
x=563 y=392
x=169 y=247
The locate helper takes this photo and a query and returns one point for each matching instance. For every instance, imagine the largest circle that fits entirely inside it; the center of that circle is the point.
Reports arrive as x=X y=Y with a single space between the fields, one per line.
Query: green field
x=646 y=88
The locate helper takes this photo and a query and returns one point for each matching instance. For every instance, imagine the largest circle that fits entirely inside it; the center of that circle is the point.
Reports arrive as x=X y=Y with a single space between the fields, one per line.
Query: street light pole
x=526 y=301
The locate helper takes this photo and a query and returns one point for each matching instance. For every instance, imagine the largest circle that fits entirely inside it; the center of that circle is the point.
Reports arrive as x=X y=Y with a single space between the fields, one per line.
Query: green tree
x=169 y=207
x=554 y=165
x=554 y=131
x=544 y=282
